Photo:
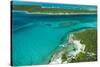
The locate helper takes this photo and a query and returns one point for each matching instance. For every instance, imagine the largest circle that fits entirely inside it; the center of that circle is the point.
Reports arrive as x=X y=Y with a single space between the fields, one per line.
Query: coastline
x=54 y=13
x=57 y=58
x=62 y=29
x=70 y=56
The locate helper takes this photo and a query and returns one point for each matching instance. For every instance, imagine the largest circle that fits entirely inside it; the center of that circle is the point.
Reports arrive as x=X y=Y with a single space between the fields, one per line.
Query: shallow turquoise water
x=35 y=37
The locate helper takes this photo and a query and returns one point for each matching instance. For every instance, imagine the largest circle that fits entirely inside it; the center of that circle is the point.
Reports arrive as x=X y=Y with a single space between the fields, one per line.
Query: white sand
x=72 y=53
x=52 y=13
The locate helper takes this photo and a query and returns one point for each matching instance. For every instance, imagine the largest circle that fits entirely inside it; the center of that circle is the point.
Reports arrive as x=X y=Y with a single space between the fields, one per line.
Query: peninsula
x=81 y=47
x=36 y=9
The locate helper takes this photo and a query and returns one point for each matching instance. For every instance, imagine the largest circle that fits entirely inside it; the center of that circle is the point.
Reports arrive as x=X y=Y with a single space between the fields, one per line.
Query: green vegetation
x=64 y=57
x=81 y=57
x=49 y=10
x=89 y=38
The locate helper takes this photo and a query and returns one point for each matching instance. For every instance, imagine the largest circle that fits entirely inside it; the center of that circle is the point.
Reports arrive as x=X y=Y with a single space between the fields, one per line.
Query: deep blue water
x=36 y=36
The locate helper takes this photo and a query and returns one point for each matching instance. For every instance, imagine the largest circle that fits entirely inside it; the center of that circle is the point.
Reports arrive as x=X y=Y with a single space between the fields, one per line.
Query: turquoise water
x=35 y=37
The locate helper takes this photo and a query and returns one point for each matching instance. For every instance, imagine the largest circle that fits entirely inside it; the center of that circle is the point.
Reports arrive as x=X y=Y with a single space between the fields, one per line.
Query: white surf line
x=56 y=59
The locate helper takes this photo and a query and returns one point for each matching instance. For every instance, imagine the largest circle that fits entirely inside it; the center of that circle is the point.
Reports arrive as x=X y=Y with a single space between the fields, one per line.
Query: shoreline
x=57 y=57
x=53 y=13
